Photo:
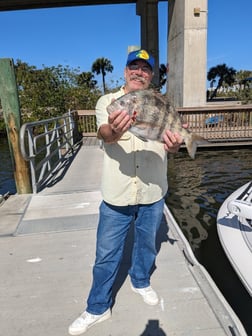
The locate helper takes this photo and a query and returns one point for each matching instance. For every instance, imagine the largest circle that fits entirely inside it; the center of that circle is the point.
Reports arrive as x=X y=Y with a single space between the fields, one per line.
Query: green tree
x=86 y=79
x=37 y=91
x=222 y=75
x=242 y=75
x=102 y=66
x=244 y=91
x=49 y=92
x=22 y=72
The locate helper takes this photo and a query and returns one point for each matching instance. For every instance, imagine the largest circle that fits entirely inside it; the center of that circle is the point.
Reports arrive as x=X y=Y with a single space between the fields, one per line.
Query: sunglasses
x=144 y=68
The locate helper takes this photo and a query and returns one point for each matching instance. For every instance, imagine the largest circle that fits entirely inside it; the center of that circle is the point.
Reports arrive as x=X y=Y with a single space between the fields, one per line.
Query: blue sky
x=77 y=36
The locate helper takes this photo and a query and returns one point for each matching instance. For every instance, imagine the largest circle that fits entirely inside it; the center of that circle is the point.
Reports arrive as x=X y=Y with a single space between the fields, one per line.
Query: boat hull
x=235 y=234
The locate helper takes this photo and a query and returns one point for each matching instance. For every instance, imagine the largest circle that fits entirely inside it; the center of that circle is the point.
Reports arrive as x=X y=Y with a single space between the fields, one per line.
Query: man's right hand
x=118 y=123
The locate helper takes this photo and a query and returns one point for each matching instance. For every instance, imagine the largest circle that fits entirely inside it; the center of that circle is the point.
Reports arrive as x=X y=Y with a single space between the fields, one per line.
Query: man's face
x=138 y=75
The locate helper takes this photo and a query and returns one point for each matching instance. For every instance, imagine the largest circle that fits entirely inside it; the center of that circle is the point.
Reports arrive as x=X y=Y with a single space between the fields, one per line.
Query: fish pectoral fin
x=141 y=138
x=136 y=130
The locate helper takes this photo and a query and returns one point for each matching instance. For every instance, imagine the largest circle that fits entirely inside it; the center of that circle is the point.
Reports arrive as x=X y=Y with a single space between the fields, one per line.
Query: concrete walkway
x=47 y=250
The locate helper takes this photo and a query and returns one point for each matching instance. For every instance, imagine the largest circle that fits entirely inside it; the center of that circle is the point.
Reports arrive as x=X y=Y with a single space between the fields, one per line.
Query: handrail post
x=71 y=126
x=11 y=111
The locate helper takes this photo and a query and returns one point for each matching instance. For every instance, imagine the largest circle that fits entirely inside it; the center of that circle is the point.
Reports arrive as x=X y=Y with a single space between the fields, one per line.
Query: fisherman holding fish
x=134 y=185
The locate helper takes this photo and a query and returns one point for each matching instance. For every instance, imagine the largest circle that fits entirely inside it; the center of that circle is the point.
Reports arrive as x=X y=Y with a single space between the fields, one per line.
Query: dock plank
x=46 y=274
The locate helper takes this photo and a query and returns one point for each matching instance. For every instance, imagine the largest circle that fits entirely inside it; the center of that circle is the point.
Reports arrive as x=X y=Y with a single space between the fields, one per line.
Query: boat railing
x=242 y=205
x=46 y=144
x=240 y=208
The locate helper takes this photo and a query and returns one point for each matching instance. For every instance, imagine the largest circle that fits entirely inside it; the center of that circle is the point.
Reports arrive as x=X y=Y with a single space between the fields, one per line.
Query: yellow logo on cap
x=143 y=54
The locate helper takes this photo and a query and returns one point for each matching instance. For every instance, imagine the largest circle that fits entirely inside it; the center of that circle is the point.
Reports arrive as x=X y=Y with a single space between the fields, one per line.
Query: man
x=134 y=184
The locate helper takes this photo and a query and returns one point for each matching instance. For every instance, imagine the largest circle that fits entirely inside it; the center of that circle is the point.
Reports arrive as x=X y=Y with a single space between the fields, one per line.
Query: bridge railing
x=87 y=122
x=225 y=124
x=218 y=124
x=46 y=144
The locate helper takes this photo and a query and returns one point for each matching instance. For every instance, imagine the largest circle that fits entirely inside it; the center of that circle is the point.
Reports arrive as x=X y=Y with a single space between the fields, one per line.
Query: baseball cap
x=141 y=55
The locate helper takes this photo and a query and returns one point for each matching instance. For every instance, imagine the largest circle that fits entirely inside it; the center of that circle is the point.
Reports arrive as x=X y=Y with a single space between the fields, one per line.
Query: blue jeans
x=113 y=226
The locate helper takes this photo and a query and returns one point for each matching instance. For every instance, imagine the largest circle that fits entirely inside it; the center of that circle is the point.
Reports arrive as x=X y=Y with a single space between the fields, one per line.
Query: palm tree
x=102 y=65
x=224 y=74
x=242 y=76
x=163 y=71
x=87 y=79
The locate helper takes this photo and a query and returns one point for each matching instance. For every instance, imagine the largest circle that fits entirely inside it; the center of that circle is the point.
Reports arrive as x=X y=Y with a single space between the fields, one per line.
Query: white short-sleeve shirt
x=134 y=171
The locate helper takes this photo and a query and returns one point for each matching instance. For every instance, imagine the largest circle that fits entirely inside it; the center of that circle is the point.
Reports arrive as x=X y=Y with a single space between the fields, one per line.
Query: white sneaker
x=148 y=294
x=86 y=321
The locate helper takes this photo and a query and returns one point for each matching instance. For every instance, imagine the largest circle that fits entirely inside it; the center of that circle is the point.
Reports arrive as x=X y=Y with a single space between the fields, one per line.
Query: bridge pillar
x=148 y=11
x=187 y=37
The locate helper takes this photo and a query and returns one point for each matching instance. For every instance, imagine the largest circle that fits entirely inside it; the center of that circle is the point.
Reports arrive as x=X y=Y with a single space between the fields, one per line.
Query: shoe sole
x=103 y=318
x=147 y=302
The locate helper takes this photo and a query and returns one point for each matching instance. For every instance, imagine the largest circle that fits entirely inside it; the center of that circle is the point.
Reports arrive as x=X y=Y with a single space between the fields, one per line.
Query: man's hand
x=173 y=141
x=119 y=122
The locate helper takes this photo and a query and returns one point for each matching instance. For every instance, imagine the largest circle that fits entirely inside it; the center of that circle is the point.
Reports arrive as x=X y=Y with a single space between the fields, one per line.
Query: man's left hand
x=172 y=141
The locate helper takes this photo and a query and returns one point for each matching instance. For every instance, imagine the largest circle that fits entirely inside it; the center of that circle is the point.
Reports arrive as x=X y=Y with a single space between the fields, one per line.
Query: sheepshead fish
x=152 y=115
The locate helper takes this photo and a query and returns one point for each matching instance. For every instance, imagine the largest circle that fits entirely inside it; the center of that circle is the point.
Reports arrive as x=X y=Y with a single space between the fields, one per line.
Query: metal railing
x=46 y=144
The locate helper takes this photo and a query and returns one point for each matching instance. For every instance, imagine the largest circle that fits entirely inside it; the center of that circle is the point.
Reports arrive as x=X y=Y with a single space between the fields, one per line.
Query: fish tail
x=193 y=142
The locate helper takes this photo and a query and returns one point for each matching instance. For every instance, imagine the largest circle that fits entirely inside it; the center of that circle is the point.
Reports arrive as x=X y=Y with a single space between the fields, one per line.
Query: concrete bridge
x=186 y=40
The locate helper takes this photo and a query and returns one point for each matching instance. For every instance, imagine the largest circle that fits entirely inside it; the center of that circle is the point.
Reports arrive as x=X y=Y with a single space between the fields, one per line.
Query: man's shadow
x=162 y=236
x=153 y=329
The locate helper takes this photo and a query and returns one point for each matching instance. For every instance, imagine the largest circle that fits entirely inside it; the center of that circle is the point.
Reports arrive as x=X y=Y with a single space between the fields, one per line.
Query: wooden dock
x=47 y=253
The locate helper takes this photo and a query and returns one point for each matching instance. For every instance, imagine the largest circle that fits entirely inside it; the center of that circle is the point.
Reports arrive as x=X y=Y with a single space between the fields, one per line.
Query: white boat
x=234 y=226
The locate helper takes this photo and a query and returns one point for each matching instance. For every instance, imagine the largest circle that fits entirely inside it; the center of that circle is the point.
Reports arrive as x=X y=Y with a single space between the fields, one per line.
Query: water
x=197 y=189
x=7 y=183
